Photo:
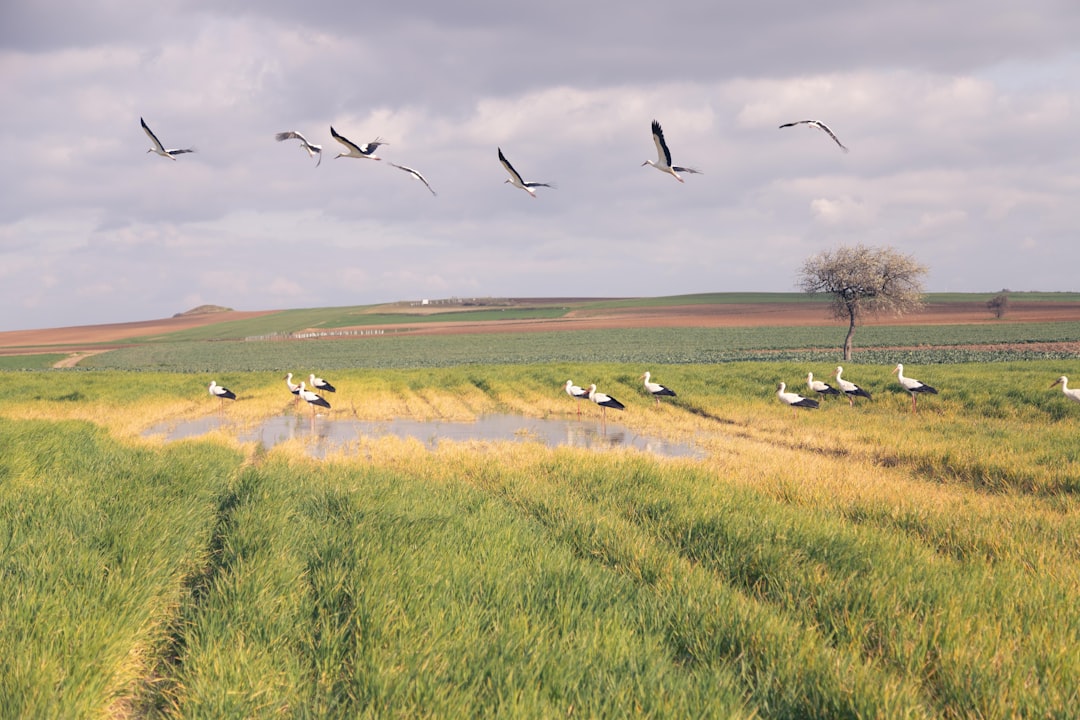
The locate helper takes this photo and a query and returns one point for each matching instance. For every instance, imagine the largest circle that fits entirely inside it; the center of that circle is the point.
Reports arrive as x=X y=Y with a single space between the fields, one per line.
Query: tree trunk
x=850 y=334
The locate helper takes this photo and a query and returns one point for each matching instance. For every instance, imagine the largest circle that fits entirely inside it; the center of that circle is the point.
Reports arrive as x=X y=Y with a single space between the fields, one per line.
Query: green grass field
x=847 y=562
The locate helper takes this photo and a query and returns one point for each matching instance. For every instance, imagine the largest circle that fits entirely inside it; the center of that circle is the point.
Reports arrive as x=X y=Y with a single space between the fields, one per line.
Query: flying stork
x=794 y=400
x=1073 y=394
x=656 y=389
x=354 y=150
x=415 y=174
x=159 y=148
x=663 y=156
x=821 y=388
x=516 y=180
x=819 y=125
x=312 y=150
x=849 y=388
x=912 y=385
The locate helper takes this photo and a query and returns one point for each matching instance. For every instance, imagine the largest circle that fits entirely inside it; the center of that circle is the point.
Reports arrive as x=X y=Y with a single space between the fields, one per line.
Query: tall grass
x=860 y=561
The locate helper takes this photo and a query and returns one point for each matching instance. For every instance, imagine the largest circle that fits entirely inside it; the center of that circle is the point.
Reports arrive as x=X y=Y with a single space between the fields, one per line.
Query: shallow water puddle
x=332 y=434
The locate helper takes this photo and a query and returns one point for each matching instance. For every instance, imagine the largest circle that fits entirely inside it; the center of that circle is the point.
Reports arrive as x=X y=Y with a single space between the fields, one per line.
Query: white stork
x=516 y=180
x=663 y=156
x=312 y=150
x=415 y=174
x=1073 y=394
x=221 y=393
x=319 y=384
x=656 y=389
x=794 y=400
x=576 y=392
x=819 y=125
x=849 y=388
x=354 y=150
x=604 y=401
x=293 y=388
x=912 y=385
x=159 y=148
x=312 y=399
x=821 y=388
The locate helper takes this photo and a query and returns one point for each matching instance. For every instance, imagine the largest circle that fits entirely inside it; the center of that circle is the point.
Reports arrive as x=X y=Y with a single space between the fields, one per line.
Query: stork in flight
x=516 y=180
x=820 y=126
x=415 y=174
x=354 y=150
x=663 y=156
x=159 y=148
x=312 y=150
x=794 y=400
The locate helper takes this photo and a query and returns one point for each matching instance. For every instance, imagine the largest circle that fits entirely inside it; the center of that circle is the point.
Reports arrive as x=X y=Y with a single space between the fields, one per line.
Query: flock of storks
x=367 y=151
x=793 y=400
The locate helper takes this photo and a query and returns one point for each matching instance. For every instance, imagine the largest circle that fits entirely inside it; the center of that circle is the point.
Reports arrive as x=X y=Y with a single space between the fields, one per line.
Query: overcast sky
x=961 y=118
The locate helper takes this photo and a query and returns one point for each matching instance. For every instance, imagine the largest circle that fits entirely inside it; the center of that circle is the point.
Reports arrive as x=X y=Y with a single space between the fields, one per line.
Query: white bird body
x=415 y=174
x=656 y=389
x=663 y=156
x=220 y=392
x=576 y=392
x=357 y=151
x=794 y=400
x=293 y=388
x=312 y=150
x=913 y=386
x=849 y=388
x=159 y=148
x=516 y=179
x=1071 y=393
x=311 y=398
x=821 y=388
x=604 y=401
x=820 y=126
x=319 y=384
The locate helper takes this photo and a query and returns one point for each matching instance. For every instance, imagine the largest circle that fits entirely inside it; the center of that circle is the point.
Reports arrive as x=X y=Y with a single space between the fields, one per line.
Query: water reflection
x=331 y=433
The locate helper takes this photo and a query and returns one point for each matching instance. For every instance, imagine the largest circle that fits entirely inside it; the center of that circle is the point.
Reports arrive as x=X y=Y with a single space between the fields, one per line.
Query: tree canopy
x=862 y=281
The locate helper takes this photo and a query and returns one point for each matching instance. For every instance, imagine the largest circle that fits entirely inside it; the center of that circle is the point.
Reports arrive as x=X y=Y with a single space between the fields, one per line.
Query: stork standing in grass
x=604 y=401
x=656 y=389
x=221 y=393
x=293 y=388
x=849 y=388
x=1072 y=394
x=913 y=386
x=663 y=156
x=319 y=384
x=576 y=392
x=313 y=399
x=821 y=388
x=794 y=400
